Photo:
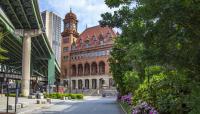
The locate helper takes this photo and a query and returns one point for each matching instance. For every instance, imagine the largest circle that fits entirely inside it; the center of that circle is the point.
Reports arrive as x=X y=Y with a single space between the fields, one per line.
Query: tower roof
x=70 y=15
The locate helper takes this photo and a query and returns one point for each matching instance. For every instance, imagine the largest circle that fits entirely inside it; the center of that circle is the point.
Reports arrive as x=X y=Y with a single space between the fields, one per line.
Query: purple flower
x=144 y=107
x=127 y=98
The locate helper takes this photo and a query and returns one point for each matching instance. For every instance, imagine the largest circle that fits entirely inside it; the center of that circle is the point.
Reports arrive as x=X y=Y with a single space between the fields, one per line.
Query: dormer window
x=109 y=35
x=101 y=39
x=87 y=43
x=81 y=41
x=101 y=42
x=94 y=38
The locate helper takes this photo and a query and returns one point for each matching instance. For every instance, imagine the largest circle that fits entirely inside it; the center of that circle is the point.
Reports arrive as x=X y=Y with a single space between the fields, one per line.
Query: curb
x=26 y=112
x=122 y=108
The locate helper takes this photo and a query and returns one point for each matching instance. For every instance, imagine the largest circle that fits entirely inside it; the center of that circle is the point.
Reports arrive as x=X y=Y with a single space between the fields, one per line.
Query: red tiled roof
x=93 y=35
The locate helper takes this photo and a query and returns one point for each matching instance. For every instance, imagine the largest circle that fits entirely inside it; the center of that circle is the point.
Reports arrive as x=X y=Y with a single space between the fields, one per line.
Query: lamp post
x=7 y=86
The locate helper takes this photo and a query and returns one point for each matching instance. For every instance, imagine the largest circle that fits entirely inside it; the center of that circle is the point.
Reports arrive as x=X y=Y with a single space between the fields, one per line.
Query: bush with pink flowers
x=144 y=108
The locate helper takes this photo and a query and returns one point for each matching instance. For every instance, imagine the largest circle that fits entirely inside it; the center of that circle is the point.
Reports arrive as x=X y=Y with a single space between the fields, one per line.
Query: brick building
x=85 y=56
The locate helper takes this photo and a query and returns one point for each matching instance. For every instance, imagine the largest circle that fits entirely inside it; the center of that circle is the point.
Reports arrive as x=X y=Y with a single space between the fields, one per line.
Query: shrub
x=13 y=95
x=79 y=96
x=165 y=91
x=144 y=108
x=73 y=96
x=131 y=81
x=65 y=95
x=60 y=95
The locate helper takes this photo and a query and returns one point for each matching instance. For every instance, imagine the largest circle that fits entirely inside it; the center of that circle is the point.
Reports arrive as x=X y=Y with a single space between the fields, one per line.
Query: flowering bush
x=144 y=108
x=127 y=98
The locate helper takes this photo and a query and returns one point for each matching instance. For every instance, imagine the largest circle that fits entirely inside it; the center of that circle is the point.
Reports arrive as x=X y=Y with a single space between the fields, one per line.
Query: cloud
x=87 y=11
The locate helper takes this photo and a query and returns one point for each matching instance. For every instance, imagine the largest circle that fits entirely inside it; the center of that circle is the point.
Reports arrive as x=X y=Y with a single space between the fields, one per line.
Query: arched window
x=94 y=83
x=73 y=84
x=80 y=69
x=87 y=69
x=87 y=43
x=94 y=38
x=87 y=83
x=73 y=70
x=80 y=84
x=94 y=68
x=101 y=67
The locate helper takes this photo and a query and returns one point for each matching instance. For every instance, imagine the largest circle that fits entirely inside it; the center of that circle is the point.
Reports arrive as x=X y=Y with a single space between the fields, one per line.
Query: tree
x=158 y=32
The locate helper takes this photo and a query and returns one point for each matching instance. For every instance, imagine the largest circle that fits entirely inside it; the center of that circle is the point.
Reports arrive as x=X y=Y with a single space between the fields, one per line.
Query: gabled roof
x=94 y=35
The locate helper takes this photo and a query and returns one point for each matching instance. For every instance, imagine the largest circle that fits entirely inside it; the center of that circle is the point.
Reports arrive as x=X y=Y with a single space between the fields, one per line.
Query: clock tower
x=69 y=37
x=70 y=26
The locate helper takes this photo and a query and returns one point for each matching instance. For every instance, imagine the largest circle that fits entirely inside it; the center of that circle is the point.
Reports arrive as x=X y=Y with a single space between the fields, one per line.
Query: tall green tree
x=156 y=32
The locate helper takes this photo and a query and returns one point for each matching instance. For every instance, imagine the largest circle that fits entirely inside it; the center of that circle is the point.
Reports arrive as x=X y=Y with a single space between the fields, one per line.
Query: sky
x=88 y=12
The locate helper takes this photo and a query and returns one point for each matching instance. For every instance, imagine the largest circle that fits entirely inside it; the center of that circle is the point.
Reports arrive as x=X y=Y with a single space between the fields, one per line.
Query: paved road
x=92 y=105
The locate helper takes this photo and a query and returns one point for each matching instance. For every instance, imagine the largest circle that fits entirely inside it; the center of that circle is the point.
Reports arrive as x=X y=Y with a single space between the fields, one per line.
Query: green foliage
x=131 y=81
x=13 y=95
x=79 y=96
x=165 y=91
x=160 y=41
x=194 y=99
x=61 y=95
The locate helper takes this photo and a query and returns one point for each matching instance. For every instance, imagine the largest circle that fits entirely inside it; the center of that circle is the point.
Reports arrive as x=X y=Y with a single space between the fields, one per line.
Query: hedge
x=13 y=95
x=61 y=95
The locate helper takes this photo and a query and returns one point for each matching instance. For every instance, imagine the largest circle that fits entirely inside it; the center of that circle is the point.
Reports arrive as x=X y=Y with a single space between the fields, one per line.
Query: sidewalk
x=31 y=107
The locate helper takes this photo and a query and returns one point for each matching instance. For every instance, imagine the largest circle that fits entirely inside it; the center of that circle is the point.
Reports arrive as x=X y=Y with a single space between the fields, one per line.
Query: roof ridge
x=92 y=28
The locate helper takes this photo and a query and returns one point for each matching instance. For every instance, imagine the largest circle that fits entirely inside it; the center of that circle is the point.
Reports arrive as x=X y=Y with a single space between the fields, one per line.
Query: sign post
x=16 y=97
x=7 y=85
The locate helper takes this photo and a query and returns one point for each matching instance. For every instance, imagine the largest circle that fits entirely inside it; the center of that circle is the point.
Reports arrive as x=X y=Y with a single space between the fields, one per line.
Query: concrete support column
x=97 y=68
x=26 y=62
x=26 y=57
x=106 y=81
x=97 y=83
x=70 y=85
x=51 y=71
x=76 y=84
x=90 y=83
x=83 y=83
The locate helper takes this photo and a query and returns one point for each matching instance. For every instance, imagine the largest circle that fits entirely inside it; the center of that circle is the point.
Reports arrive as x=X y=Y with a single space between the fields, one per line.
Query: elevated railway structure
x=30 y=57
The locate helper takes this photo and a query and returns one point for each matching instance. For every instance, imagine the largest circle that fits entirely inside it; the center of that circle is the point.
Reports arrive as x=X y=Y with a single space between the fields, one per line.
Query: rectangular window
x=65 y=40
x=65 y=49
x=65 y=58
